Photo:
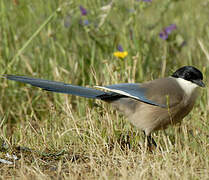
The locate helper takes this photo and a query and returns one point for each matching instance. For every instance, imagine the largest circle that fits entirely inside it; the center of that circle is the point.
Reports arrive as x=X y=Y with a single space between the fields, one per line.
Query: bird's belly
x=156 y=118
x=151 y=118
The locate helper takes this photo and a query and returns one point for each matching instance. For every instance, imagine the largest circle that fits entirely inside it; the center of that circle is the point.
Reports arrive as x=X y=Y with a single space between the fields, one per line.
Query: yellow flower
x=120 y=54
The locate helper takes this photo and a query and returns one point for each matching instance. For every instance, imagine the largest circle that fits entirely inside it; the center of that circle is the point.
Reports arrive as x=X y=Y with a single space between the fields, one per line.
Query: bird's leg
x=150 y=142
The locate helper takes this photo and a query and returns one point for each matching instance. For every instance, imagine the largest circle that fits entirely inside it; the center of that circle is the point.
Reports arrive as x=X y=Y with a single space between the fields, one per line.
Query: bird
x=149 y=106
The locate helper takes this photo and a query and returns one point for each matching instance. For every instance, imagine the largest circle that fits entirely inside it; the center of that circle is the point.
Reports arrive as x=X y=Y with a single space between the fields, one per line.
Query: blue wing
x=131 y=90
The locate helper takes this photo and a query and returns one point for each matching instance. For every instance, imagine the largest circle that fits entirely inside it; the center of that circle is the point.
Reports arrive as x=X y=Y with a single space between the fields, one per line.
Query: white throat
x=187 y=86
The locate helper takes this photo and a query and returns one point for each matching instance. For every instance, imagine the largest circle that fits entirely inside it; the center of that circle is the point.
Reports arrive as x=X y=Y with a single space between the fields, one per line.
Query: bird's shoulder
x=163 y=91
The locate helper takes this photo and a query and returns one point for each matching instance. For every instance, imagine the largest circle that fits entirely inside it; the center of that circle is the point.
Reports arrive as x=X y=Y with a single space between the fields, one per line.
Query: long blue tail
x=59 y=87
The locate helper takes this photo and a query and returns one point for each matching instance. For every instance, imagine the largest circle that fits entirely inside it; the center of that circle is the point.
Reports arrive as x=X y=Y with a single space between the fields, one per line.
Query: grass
x=60 y=136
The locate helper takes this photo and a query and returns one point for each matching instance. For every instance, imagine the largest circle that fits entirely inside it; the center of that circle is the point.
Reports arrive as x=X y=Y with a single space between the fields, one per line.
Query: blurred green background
x=65 y=42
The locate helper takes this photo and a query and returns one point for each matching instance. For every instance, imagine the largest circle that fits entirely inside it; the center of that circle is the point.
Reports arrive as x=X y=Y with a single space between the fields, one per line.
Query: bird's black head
x=191 y=74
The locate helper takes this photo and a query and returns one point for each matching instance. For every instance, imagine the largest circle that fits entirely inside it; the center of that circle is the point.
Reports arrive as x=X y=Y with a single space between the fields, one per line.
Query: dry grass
x=57 y=136
x=97 y=143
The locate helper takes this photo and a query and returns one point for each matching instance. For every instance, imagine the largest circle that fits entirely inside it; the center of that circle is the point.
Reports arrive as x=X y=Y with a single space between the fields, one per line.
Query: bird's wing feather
x=131 y=90
x=164 y=92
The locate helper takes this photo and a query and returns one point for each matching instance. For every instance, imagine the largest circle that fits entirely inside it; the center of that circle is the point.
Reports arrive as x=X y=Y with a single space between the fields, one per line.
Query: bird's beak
x=199 y=83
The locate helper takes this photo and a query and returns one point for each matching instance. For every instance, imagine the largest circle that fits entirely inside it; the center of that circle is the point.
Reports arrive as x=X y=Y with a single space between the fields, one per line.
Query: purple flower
x=163 y=35
x=166 y=31
x=83 y=11
x=120 y=48
x=84 y=22
x=170 y=28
